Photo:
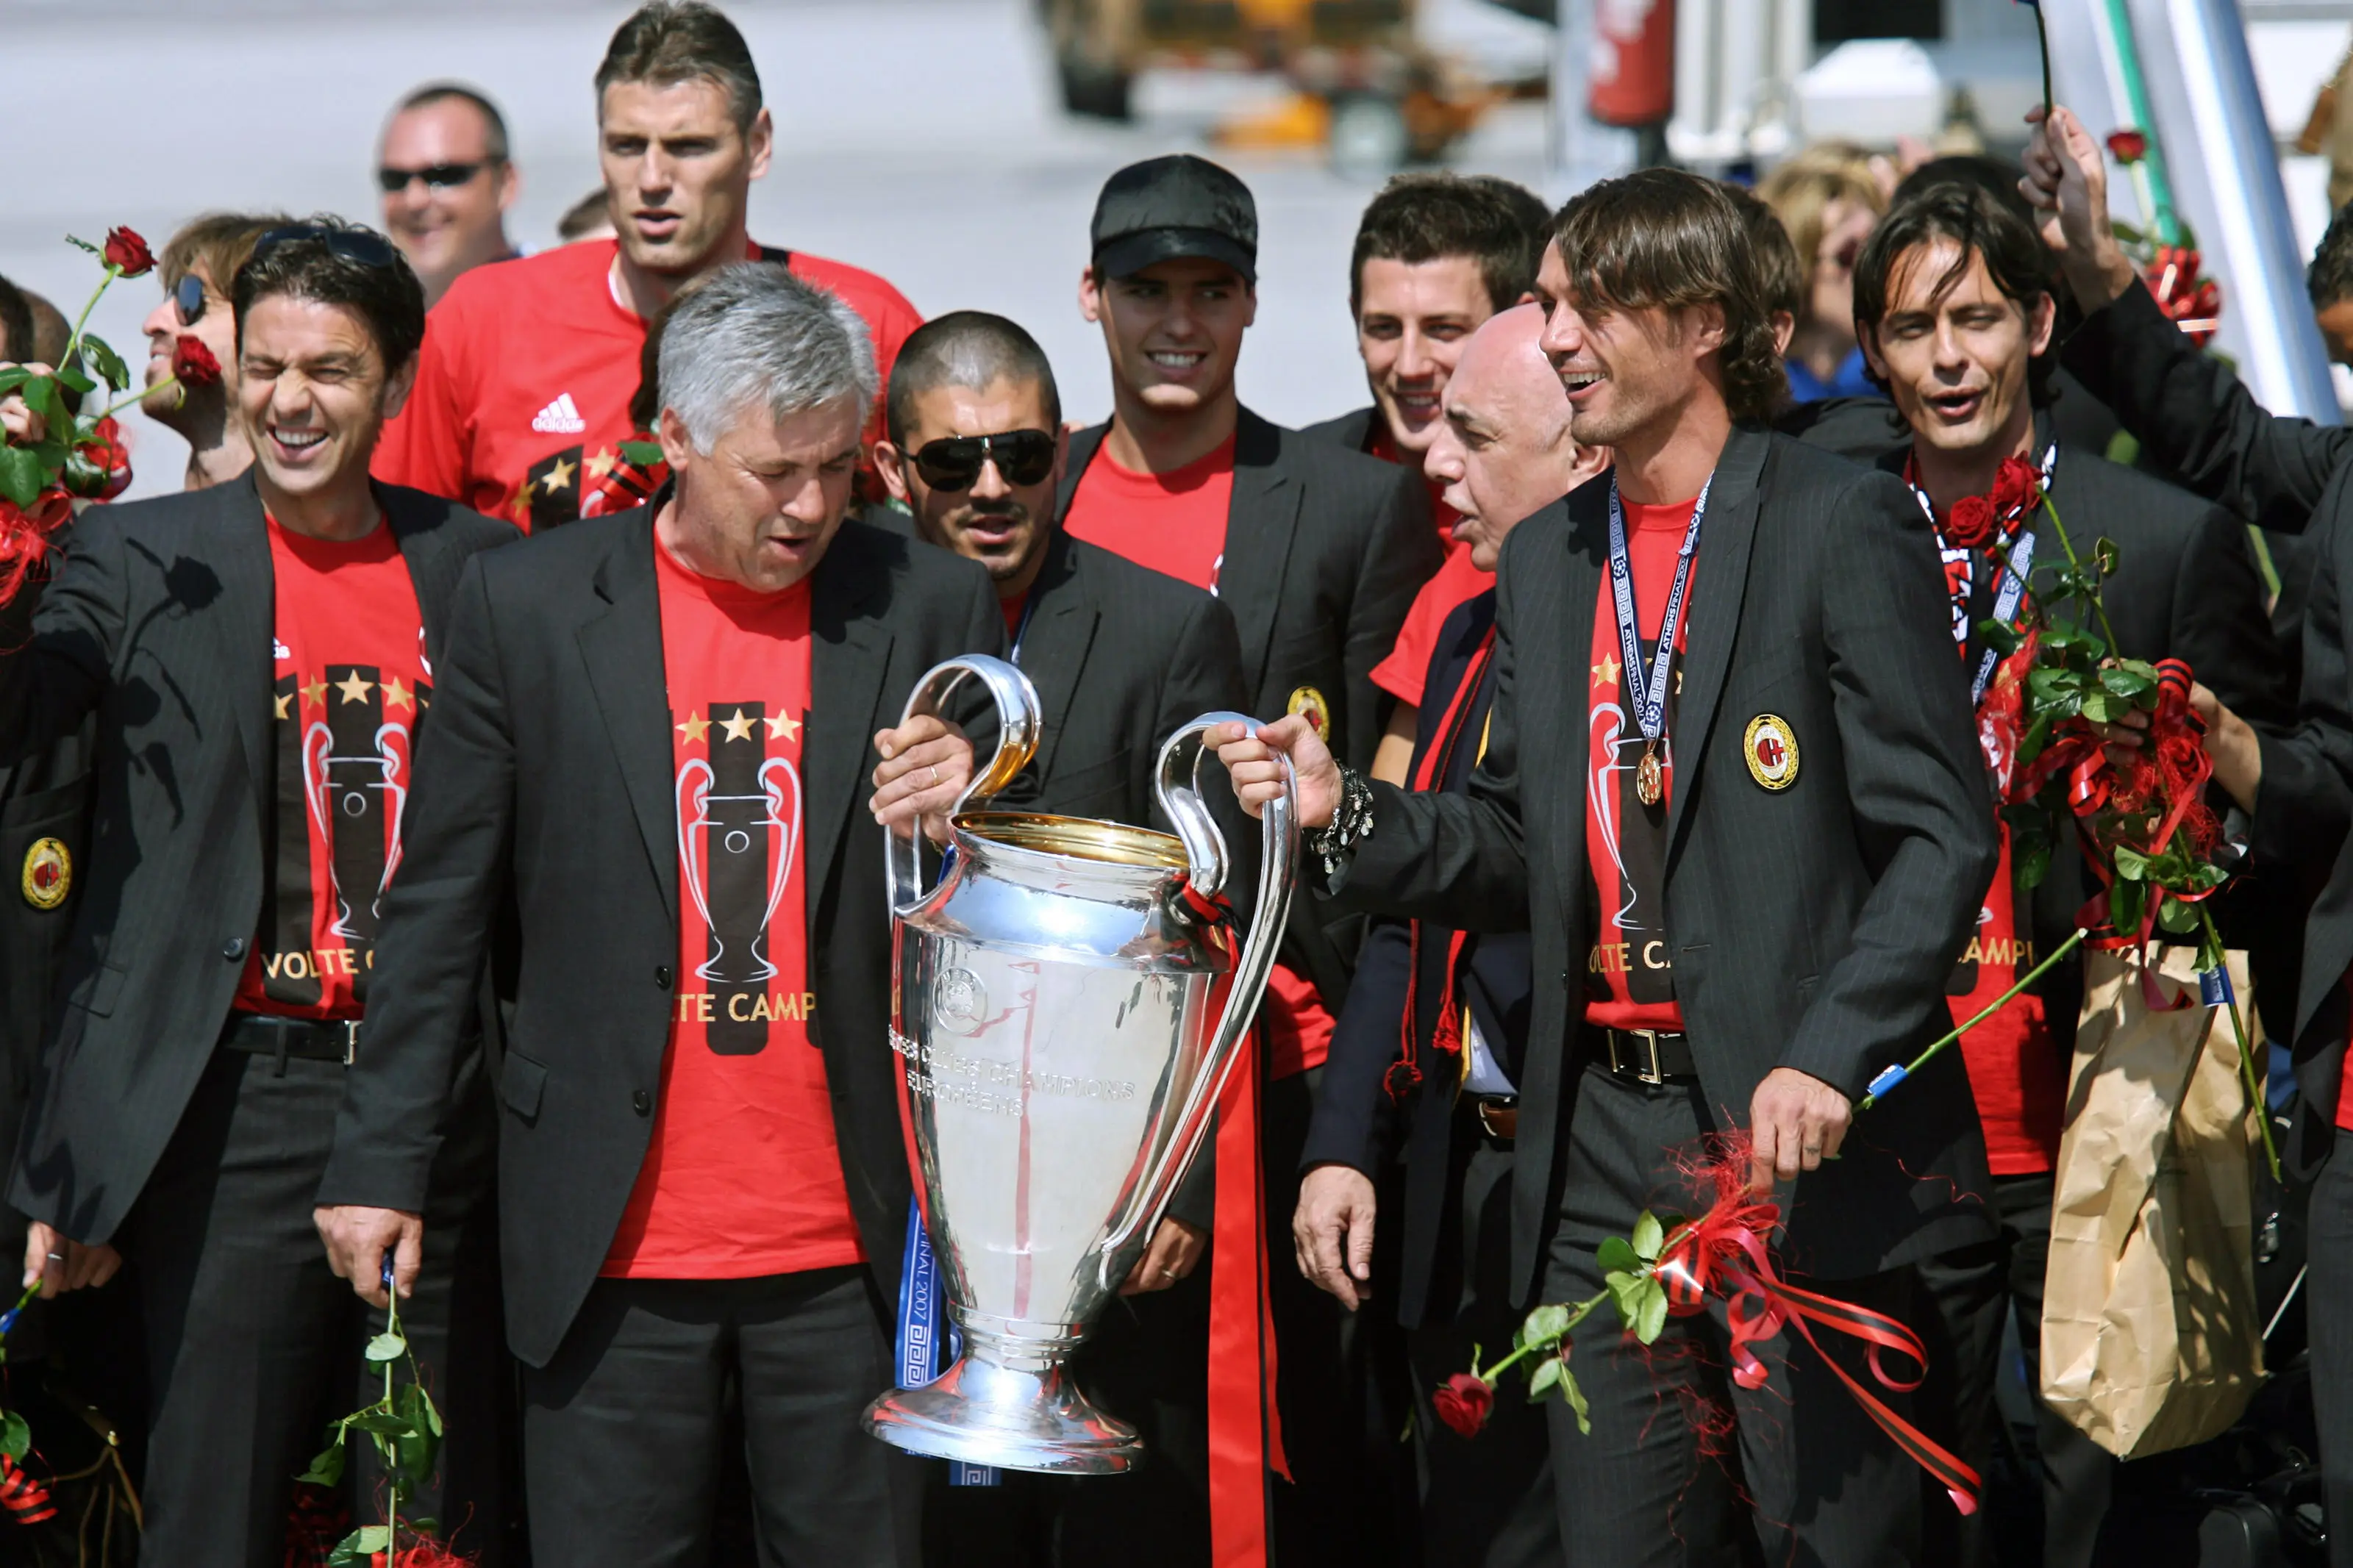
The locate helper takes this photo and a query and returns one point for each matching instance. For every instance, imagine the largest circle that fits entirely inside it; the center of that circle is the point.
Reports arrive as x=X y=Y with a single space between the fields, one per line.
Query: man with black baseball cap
x=1318 y=552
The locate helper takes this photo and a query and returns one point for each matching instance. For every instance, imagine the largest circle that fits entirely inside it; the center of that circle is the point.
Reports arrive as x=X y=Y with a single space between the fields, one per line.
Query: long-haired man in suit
x=650 y=736
x=1730 y=789
x=260 y=657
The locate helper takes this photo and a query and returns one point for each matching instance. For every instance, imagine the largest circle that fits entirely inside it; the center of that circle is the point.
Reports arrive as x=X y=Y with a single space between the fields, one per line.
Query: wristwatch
x=1352 y=821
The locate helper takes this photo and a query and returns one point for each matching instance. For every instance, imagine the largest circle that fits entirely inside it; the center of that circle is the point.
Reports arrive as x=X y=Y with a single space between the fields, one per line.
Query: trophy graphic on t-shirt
x=739 y=817
x=355 y=776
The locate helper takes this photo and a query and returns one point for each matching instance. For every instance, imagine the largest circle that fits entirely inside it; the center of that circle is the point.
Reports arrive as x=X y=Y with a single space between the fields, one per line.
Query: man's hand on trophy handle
x=1332 y=1233
x=1250 y=760
x=357 y=1237
x=1176 y=1251
x=926 y=763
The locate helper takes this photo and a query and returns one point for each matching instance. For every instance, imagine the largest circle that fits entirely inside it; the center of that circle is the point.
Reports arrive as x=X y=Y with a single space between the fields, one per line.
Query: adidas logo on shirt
x=559 y=418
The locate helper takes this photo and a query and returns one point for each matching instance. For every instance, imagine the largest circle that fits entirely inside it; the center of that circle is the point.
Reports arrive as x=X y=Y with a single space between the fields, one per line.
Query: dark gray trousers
x=1682 y=1469
x=622 y=1429
x=253 y=1344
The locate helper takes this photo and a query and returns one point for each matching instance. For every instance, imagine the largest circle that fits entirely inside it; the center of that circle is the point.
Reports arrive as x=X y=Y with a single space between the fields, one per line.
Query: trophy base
x=987 y=1415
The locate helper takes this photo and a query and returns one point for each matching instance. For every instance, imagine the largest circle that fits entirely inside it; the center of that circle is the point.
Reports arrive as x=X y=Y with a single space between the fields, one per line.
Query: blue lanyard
x=920 y=1324
x=1649 y=695
x=1021 y=628
x=2010 y=587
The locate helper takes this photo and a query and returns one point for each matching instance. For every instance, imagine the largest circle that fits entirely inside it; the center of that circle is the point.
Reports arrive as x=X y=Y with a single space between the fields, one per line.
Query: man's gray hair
x=753 y=337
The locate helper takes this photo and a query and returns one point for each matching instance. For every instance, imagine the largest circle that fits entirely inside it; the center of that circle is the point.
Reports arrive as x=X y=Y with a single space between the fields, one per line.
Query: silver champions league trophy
x=1066 y=1017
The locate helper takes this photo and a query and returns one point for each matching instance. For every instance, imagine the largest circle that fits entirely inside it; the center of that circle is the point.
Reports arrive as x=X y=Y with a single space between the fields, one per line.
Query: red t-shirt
x=523 y=385
x=1175 y=524
x=742 y=1177
x=1384 y=447
x=2014 y=1073
x=1630 y=981
x=1408 y=665
x=2345 y=1085
x=351 y=681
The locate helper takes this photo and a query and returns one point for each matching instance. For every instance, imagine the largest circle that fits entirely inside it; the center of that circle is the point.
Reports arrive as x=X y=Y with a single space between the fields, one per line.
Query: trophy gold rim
x=1077 y=837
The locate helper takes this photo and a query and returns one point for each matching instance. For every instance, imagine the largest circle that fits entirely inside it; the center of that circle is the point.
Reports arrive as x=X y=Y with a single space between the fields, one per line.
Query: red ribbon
x=1724 y=1253
x=1436 y=763
x=26 y=1499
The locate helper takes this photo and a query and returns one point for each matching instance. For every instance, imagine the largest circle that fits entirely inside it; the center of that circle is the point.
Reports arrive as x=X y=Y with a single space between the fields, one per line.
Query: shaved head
x=1505 y=451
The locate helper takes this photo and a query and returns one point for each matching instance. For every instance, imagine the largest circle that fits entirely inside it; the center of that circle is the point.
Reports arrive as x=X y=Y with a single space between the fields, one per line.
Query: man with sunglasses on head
x=196 y=267
x=523 y=392
x=258 y=657
x=447 y=184
x=1318 y=552
x=1121 y=657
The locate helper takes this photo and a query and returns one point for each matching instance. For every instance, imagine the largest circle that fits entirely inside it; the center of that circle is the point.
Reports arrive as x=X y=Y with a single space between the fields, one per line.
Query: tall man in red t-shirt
x=260 y=657
x=1317 y=552
x=650 y=741
x=523 y=393
x=1730 y=790
x=1953 y=303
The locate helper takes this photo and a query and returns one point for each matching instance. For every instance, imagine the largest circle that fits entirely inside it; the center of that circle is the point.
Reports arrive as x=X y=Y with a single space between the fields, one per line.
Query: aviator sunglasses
x=436 y=177
x=188 y=297
x=953 y=462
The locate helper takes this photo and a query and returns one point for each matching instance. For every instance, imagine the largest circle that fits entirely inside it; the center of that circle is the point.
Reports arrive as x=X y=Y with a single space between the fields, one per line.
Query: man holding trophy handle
x=1748 y=855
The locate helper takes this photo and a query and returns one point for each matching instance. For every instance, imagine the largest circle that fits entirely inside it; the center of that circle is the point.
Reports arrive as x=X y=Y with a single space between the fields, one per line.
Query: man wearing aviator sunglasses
x=196 y=267
x=447 y=184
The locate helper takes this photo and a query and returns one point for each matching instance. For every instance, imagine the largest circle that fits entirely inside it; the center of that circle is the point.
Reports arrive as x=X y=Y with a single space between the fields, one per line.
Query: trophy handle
x=1017 y=738
x=1178 y=792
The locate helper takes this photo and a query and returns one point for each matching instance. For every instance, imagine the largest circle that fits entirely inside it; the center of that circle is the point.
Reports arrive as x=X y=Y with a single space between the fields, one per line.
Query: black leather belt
x=310 y=1039
x=1498 y=1114
x=1641 y=1056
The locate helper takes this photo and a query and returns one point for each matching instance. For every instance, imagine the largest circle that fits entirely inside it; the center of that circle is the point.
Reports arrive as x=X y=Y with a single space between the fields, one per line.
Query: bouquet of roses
x=77 y=453
x=2170 y=268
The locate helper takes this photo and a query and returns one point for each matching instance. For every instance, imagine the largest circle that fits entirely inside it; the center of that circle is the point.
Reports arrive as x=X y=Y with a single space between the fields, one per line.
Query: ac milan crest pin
x=48 y=875
x=1771 y=747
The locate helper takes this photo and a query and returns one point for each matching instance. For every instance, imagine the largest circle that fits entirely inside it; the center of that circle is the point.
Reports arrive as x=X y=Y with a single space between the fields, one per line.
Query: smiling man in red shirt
x=523 y=387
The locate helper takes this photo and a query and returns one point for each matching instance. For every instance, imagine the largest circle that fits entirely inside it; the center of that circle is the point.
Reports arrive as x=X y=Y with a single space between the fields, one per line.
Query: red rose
x=1970 y=522
x=2129 y=146
x=1464 y=1402
x=193 y=362
x=101 y=469
x=126 y=252
x=2016 y=488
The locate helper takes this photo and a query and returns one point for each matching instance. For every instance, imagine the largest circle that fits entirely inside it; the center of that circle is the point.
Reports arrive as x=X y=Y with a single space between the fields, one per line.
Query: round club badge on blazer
x=1771 y=747
x=48 y=875
x=1309 y=703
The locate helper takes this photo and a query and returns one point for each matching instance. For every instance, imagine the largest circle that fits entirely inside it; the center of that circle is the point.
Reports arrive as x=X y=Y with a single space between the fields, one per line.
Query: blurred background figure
x=447 y=184
x=590 y=217
x=1829 y=197
x=197 y=269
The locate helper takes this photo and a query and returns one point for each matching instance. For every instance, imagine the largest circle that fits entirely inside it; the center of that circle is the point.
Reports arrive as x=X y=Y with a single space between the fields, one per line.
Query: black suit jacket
x=547 y=779
x=1353 y=430
x=1355 y=1120
x=1812 y=927
x=161 y=625
x=2194 y=417
x=1326 y=550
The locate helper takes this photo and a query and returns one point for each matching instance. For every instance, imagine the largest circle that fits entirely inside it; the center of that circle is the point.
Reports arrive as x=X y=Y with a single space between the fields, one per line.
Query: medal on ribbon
x=1647 y=695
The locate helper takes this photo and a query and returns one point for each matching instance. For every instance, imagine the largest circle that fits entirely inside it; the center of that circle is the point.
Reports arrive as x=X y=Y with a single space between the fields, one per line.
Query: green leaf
x=1544 y=1326
x=2176 y=917
x=1616 y=1255
x=2104 y=552
x=2125 y=681
x=1649 y=1237
x=2131 y=864
x=1998 y=636
x=2128 y=234
x=1546 y=1376
x=22 y=474
x=383 y=1423
x=15 y=1437
x=2101 y=708
x=1652 y=1320
x=386 y=1347
x=2028 y=867
x=42 y=397
x=15 y=376
x=645 y=454
x=1576 y=1397
x=2124 y=907
x=84 y=244
x=73 y=377
x=1626 y=1295
x=2062 y=634
x=361 y=1544
x=106 y=362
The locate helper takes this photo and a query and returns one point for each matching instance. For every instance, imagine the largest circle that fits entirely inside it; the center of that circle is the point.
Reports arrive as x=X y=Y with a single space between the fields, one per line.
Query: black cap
x=1178 y=206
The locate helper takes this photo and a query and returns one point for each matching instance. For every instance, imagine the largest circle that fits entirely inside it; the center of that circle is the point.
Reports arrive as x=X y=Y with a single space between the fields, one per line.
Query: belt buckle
x=350 y=1041
x=1646 y=1067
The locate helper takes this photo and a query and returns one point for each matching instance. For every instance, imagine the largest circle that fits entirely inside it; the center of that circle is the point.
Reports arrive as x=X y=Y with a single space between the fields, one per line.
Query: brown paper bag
x=2151 y=1336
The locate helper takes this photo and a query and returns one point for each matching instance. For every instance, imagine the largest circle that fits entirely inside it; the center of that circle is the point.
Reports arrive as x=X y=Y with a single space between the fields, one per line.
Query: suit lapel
x=849 y=653
x=1084 y=447
x=1586 y=547
x=1259 y=525
x=433 y=566
x=622 y=647
x=248 y=623
x=1055 y=645
x=1719 y=583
